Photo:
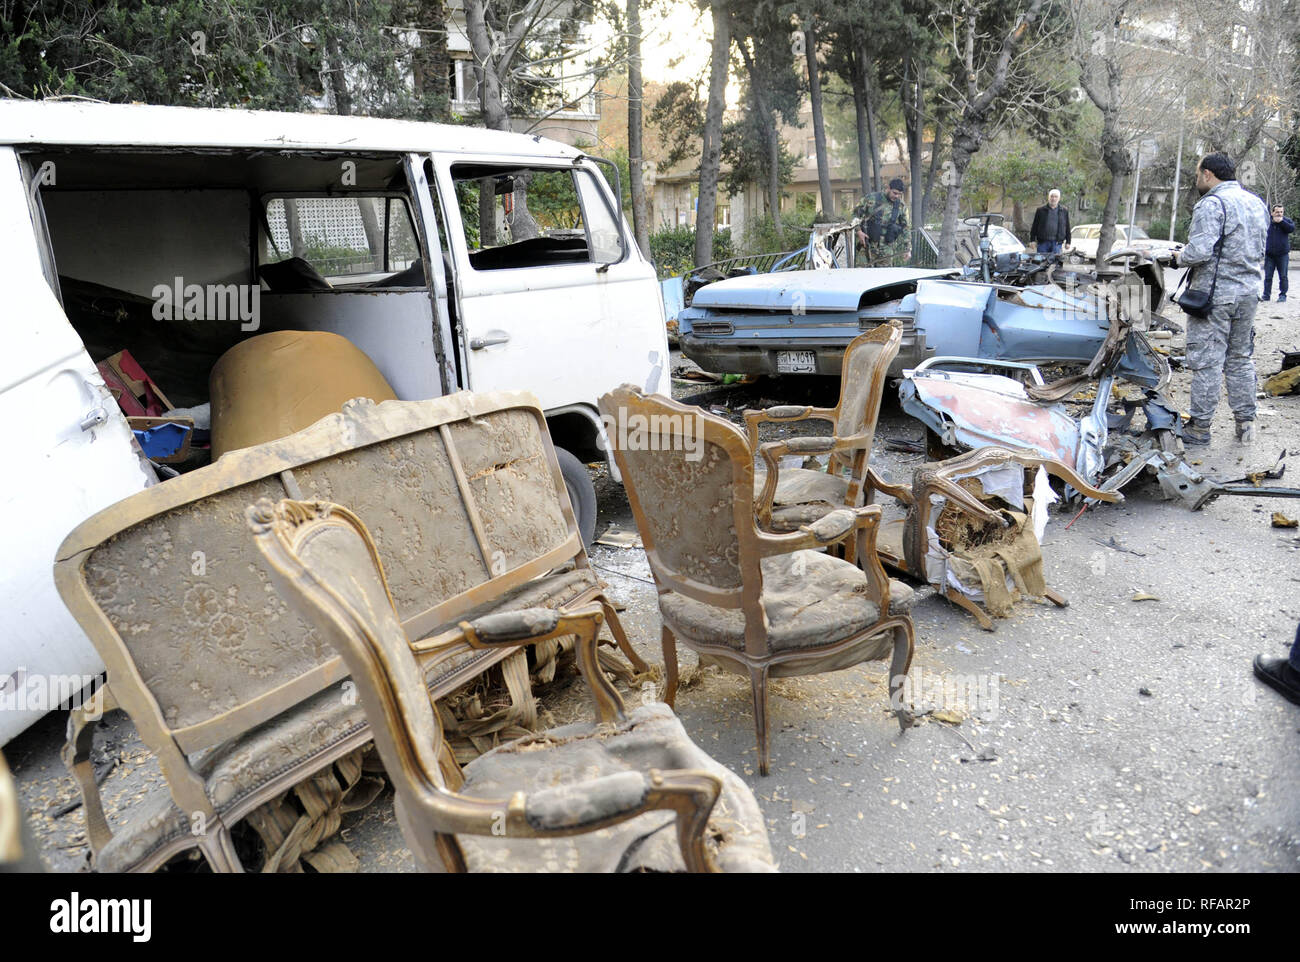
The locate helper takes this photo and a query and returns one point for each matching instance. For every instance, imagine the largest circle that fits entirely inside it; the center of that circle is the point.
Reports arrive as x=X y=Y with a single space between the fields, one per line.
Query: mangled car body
x=799 y=322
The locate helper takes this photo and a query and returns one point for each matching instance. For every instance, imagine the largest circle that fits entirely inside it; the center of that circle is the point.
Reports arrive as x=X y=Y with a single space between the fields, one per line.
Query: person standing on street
x=1221 y=345
x=1051 y=228
x=1277 y=252
x=882 y=222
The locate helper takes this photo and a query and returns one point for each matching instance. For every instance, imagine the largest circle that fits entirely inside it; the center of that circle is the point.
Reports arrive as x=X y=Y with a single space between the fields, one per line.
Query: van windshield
x=517 y=217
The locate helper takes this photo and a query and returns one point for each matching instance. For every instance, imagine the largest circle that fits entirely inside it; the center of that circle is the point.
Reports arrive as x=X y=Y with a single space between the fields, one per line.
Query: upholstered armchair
x=629 y=791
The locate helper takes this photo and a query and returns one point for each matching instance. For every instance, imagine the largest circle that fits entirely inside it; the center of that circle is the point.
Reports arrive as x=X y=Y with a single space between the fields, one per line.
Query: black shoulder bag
x=1198 y=303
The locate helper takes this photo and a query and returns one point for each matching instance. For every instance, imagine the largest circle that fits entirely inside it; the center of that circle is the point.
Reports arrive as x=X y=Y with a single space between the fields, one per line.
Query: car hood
x=830 y=289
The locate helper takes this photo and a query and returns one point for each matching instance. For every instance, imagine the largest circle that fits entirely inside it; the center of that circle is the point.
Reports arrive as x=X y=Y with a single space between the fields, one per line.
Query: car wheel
x=582 y=493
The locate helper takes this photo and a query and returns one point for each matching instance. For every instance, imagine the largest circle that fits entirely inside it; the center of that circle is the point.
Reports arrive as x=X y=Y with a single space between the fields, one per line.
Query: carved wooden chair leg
x=670 y=667
x=758 y=679
x=219 y=849
x=899 y=666
x=620 y=637
x=961 y=601
x=1056 y=598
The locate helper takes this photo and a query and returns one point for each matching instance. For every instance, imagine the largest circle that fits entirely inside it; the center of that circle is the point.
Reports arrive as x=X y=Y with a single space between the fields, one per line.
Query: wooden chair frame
x=757 y=656
x=430 y=809
x=361 y=423
x=849 y=453
x=938 y=479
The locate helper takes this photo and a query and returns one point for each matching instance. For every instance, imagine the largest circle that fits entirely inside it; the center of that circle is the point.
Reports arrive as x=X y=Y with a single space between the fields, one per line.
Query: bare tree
x=989 y=83
x=1135 y=72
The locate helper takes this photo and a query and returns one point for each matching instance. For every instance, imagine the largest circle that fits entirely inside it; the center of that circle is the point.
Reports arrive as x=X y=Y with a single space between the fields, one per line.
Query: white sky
x=675 y=45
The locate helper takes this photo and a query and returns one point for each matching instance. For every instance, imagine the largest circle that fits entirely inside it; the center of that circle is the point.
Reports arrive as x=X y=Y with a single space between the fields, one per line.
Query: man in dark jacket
x=1051 y=227
x=1277 y=252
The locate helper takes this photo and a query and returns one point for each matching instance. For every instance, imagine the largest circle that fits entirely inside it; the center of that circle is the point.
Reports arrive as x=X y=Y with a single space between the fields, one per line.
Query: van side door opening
x=178 y=255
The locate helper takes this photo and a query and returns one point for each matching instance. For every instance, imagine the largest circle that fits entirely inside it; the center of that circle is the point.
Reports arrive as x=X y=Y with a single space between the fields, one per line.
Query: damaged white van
x=143 y=247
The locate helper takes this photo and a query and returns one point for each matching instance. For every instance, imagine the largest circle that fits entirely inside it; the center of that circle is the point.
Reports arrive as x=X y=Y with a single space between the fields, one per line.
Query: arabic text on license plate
x=795 y=362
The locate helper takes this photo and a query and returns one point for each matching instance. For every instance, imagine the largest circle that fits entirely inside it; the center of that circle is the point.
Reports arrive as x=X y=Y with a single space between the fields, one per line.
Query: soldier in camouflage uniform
x=1220 y=346
x=882 y=227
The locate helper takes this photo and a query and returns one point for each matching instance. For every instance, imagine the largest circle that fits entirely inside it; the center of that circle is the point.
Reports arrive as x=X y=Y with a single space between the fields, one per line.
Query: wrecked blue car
x=799 y=322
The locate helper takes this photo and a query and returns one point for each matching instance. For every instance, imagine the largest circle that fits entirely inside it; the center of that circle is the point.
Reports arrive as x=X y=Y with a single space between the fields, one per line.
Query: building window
x=465 y=86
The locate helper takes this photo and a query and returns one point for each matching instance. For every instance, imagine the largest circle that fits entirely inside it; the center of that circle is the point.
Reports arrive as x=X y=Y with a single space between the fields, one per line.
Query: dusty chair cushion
x=306 y=737
x=802 y=496
x=810 y=598
x=652 y=737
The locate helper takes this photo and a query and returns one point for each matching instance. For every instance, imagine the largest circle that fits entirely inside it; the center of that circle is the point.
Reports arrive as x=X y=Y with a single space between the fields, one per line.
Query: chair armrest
x=899 y=492
x=528 y=626
x=928 y=483
x=783 y=414
x=773 y=451
x=76 y=756
x=588 y=806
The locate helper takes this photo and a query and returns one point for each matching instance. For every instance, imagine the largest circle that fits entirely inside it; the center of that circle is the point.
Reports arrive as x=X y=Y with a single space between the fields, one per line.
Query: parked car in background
x=1086 y=236
x=1004 y=242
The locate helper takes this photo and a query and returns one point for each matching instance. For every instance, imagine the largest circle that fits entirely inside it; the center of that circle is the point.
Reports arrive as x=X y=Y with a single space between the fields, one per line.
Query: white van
x=114 y=214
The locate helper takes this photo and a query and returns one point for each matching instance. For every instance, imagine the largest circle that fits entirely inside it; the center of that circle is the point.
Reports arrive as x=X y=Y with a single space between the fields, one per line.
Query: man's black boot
x=1278 y=674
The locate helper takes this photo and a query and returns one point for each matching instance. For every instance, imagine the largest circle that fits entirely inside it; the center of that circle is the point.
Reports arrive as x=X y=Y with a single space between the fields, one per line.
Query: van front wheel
x=582 y=493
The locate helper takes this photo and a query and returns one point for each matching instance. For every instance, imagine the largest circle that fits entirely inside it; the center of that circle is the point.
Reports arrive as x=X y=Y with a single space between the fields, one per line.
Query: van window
x=534 y=217
x=346 y=240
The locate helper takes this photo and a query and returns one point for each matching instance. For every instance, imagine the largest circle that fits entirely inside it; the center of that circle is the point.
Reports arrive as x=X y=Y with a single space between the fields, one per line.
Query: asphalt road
x=1112 y=735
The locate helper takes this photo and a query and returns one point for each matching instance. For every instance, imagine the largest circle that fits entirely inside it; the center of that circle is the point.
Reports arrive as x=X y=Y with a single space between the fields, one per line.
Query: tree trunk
x=487 y=213
x=964 y=146
x=522 y=224
x=819 y=124
x=935 y=154
x=337 y=78
x=1116 y=159
x=774 y=179
x=490 y=95
x=707 y=205
x=431 y=63
x=860 y=120
x=771 y=138
x=913 y=96
x=972 y=119
x=869 y=92
x=640 y=216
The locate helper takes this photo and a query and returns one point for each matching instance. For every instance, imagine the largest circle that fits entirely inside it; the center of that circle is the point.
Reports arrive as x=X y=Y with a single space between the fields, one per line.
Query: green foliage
x=1021 y=170
x=760 y=236
x=744 y=155
x=214 y=53
x=673 y=249
x=467 y=201
x=1159 y=227
x=553 y=200
x=678 y=115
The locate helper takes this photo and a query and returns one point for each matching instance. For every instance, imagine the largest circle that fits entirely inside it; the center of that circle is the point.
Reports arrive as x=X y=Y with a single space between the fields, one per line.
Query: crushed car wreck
x=799 y=322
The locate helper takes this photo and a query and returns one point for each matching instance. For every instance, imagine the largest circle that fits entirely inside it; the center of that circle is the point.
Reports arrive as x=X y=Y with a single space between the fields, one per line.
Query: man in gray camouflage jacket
x=1220 y=346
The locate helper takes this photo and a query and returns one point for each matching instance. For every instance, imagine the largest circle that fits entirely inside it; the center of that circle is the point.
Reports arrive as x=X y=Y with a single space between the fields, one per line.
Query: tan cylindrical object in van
x=274 y=384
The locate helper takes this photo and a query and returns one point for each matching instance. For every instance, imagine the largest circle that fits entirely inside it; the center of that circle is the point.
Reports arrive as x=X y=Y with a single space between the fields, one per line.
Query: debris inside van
x=133 y=389
x=165 y=439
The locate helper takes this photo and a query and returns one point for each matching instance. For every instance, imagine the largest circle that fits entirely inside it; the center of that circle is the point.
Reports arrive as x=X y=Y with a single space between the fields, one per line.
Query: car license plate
x=796 y=362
